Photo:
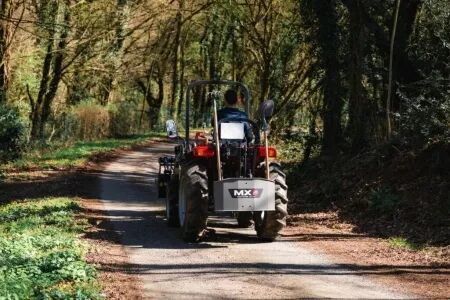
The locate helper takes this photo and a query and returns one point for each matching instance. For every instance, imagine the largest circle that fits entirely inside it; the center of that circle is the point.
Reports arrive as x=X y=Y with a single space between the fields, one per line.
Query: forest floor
x=390 y=191
x=423 y=272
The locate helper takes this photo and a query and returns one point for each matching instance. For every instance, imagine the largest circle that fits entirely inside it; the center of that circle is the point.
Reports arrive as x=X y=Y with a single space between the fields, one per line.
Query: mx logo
x=245 y=193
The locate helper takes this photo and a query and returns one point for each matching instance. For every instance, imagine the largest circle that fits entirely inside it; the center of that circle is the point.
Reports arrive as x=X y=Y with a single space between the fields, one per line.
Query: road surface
x=230 y=264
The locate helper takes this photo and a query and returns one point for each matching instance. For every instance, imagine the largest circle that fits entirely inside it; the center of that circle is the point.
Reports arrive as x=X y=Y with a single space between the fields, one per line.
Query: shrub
x=12 y=134
x=124 y=119
x=425 y=118
x=384 y=202
x=89 y=121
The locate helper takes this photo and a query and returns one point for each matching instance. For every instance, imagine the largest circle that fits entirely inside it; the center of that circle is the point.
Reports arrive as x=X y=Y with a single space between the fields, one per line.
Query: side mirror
x=171 y=128
x=266 y=109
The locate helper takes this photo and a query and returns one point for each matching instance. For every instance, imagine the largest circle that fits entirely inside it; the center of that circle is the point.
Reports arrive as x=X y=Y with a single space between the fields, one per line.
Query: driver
x=231 y=111
x=232 y=104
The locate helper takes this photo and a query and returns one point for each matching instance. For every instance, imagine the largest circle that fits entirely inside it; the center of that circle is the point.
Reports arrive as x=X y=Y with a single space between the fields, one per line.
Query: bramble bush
x=88 y=121
x=124 y=119
x=425 y=117
x=383 y=201
x=12 y=134
x=91 y=121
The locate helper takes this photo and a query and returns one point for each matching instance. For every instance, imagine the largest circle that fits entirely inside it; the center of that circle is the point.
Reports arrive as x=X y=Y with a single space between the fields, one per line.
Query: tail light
x=262 y=152
x=204 y=151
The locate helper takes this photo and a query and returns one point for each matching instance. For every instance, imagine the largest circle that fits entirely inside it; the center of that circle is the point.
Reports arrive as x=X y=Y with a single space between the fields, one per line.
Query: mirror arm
x=265 y=125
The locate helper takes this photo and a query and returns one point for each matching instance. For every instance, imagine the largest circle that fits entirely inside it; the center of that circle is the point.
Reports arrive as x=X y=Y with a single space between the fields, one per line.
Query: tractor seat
x=235 y=129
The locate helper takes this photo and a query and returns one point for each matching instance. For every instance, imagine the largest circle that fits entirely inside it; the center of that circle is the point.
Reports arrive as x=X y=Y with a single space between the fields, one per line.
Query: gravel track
x=230 y=264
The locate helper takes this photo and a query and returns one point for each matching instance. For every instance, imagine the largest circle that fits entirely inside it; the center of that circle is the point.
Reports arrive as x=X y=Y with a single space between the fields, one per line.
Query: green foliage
x=300 y=53
x=430 y=46
x=68 y=155
x=425 y=119
x=12 y=134
x=425 y=113
x=400 y=242
x=40 y=256
x=290 y=150
x=383 y=202
x=124 y=119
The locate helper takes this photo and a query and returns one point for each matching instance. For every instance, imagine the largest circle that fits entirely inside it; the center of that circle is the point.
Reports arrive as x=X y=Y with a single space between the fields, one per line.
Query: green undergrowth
x=402 y=243
x=41 y=256
x=69 y=155
x=289 y=151
x=389 y=191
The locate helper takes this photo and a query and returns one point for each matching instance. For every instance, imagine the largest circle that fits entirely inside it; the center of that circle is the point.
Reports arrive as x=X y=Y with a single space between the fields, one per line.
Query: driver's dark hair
x=231 y=97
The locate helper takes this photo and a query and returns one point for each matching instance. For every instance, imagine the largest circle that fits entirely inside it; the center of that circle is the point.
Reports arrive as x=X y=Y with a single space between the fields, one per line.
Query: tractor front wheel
x=172 y=202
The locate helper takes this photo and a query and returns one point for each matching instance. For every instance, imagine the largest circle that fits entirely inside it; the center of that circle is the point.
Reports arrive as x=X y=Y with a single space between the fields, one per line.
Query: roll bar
x=196 y=83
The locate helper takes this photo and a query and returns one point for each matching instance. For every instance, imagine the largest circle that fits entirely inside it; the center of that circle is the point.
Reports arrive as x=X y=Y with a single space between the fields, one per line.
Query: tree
x=55 y=44
x=326 y=35
x=6 y=10
x=359 y=114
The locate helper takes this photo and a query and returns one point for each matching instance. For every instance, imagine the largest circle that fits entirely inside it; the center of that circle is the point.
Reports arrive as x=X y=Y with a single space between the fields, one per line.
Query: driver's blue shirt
x=231 y=112
x=235 y=114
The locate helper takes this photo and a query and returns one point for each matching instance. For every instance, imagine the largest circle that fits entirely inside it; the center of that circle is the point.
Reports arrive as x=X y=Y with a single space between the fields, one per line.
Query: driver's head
x=231 y=98
x=241 y=99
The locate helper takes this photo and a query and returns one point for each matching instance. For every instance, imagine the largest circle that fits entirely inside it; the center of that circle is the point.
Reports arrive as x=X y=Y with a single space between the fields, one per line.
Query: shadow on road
x=276 y=269
x=320 y=237
x=148 y=229
x=60 y=184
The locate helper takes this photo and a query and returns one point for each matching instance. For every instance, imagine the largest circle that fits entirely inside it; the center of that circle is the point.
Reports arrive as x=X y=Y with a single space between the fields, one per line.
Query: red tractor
x=226 y=172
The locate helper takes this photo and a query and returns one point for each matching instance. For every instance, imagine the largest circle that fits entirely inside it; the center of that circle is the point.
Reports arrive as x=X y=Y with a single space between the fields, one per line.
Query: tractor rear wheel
x=172 y=202
x=268 y=224
x=193 y=201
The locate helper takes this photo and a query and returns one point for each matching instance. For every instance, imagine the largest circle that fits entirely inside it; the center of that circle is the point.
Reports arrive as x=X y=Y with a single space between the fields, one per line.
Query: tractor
x=225 y=171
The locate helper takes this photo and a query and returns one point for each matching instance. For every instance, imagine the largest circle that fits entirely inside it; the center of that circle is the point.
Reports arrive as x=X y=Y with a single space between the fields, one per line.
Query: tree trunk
x=155 y=116
x=403 y=73
x=265 y=79
x=121 y=15
x=332 y=90
x=5 y=40
x=175 y=58
x=146 y=88
x=180 y=108
x=57 y=68
x=391 y=59
x=358 y=117
x=51 y=74
x=36 y=106
x=312 y=135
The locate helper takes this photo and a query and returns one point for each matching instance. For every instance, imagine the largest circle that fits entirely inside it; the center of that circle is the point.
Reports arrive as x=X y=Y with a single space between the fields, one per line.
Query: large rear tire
x=172 y=202
x=268 y=224
x=193 y=201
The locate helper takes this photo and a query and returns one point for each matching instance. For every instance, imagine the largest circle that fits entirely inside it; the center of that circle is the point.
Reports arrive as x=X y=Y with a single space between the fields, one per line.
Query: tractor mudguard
x=240 y=194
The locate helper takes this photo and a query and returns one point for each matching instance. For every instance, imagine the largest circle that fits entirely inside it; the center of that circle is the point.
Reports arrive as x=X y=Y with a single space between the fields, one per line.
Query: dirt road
x=228 y=265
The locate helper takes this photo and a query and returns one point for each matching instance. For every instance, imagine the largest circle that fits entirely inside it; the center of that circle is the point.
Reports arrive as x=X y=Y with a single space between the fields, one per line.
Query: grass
x=402 y=243
x=62 y=156
x=41 y=256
